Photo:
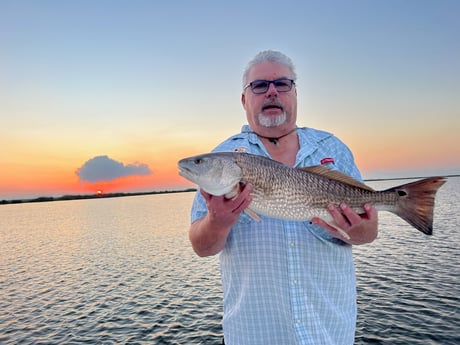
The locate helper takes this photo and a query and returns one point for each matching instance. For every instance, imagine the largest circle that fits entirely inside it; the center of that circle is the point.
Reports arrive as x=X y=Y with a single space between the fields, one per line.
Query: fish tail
x=416 y=202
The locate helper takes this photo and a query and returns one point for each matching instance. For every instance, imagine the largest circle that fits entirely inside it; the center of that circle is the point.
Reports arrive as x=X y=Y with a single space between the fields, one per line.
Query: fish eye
x=198 y=161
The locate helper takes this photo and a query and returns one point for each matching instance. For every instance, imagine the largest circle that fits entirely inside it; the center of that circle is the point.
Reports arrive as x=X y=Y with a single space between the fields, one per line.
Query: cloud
x=103 y=168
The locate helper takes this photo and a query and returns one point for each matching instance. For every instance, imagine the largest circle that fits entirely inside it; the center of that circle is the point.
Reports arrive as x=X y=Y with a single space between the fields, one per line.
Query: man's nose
x=272 y=91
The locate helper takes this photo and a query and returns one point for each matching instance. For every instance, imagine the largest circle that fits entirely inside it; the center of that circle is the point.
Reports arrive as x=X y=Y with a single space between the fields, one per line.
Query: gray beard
x=270 y=121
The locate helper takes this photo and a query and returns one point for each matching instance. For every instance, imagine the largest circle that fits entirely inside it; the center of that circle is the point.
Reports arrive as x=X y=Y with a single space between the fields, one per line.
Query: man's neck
x=285 y=151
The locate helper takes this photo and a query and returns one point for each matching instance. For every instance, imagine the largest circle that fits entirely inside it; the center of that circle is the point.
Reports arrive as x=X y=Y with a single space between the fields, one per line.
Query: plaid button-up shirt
x=287 y=282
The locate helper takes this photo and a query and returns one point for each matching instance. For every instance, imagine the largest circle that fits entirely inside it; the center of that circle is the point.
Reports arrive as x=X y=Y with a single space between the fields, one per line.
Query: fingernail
x=343 y=206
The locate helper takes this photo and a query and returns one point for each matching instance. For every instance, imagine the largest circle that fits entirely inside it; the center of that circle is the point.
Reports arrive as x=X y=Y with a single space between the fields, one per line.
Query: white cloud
x=103 y=168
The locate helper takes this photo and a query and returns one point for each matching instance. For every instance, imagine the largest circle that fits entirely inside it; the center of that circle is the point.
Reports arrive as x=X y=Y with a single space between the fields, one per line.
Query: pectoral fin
x=339 y=230
x=252 y=214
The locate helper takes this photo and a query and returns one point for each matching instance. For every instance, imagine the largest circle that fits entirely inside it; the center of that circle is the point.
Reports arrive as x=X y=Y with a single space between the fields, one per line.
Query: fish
x=298 y=194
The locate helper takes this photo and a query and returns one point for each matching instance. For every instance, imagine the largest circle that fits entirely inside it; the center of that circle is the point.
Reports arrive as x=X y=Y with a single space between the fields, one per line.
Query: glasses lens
x=260 y=86
x=283 y=85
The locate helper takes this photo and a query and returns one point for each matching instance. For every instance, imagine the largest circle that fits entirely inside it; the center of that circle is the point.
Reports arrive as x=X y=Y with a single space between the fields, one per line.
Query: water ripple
x=121 y=271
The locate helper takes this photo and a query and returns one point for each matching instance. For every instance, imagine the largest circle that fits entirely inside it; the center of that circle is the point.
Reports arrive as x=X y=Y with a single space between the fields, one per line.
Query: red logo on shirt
x=327 y=160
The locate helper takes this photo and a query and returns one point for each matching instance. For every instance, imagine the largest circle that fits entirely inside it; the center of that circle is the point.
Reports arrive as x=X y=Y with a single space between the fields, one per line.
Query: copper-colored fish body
x=284 y=192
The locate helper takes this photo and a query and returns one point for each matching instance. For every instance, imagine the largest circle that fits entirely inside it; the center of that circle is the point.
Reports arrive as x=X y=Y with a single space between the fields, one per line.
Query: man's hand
x=208 y=235
x=349 y=226
x=225 y=212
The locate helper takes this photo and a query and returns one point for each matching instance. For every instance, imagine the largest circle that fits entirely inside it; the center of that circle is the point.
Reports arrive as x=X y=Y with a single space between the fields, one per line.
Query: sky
x=109 y=94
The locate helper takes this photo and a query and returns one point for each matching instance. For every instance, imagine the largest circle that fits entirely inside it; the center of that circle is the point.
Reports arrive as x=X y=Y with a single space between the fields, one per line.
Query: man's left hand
x=349 y=226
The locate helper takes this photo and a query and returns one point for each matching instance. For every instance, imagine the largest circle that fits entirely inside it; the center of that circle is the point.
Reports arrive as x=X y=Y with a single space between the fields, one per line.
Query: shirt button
x=297 y=321
x=295 y=281
x=292 y=244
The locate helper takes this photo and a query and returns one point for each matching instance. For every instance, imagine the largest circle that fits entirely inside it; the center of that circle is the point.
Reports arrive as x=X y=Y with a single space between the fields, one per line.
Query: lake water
x=121 y=271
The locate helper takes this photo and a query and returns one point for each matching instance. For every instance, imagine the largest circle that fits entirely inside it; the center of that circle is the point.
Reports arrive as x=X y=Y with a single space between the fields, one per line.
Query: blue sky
x=150 y=82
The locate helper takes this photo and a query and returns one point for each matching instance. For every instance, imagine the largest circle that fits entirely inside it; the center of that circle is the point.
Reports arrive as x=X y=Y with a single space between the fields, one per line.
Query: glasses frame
x=268 y=86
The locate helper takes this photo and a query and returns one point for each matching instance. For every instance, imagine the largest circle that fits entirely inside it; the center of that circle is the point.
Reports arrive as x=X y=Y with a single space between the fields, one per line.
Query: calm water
x=121 y=271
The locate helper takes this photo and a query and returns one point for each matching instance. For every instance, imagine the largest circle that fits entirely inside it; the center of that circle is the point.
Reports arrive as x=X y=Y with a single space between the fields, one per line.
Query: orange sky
x=56 y=175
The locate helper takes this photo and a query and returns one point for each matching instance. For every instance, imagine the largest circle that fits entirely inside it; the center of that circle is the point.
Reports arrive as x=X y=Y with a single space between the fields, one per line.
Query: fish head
x=215 y=173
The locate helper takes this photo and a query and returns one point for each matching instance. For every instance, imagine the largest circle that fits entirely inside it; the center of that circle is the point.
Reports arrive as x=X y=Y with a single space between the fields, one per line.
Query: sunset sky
x=128 y=88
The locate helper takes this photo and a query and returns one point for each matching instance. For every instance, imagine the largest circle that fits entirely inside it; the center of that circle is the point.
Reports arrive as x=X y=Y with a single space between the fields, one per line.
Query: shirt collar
x=309 y=140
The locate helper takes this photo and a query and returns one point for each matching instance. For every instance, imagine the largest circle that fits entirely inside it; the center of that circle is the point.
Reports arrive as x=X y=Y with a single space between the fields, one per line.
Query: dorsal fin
x=336 y=175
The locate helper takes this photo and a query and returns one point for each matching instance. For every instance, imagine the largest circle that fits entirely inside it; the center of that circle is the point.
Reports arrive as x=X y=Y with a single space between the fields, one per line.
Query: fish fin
x=336 y=175
x=252 y=214
x=339 y=230
x=416 y=202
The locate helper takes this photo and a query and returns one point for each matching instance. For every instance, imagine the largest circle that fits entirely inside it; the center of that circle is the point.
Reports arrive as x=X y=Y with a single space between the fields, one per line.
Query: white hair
x=269 y=56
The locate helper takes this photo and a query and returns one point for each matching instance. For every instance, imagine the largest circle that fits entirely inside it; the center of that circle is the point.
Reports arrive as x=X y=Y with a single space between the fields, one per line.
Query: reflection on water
x=122 y=271
x=106 y=270
x=408 y=283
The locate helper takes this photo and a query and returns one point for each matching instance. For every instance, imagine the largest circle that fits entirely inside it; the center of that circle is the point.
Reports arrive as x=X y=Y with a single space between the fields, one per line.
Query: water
x=121 y=271
x=408 y=283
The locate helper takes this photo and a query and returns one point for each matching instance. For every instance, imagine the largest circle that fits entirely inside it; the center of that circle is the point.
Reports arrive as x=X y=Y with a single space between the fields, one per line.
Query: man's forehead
x=269 y=70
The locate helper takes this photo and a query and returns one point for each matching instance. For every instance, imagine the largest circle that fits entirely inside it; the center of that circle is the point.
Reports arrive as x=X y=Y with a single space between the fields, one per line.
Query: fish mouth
x=186 y=172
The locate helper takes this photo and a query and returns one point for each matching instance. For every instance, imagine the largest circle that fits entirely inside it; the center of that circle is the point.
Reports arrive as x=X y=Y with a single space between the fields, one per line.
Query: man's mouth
x=271 y=106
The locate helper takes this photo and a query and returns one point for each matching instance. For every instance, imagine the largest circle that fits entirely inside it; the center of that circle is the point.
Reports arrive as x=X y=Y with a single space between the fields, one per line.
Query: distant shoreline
x=117 y=195
x=90 y=196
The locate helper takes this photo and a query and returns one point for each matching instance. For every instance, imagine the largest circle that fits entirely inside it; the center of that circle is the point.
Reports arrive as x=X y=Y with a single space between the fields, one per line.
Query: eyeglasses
x=261 y=86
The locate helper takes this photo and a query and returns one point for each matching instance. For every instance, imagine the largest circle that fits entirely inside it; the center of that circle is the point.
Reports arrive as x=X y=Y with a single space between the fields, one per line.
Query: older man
x=284 y=282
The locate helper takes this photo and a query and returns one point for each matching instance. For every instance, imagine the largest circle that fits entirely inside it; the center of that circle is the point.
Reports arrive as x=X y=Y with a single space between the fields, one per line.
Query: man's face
x=272 y=109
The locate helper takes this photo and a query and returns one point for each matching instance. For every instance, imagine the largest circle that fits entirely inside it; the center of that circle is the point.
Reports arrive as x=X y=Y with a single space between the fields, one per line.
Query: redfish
x=298 y=194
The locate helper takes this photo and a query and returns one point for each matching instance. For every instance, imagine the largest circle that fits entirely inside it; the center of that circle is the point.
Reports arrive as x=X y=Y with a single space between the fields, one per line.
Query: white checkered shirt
x=287 y=282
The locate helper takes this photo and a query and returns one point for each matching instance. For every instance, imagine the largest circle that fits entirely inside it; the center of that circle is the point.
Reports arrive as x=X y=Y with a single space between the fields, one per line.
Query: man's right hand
x=208 y=235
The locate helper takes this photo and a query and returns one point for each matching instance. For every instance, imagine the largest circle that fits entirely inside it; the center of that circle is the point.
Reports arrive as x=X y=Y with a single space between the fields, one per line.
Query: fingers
x=334 y=230
x=205 y=195
x=349 y=226
x=243 y=200
x=344 y=216
x=221 y=206
x=371 y=212
x=245 y=203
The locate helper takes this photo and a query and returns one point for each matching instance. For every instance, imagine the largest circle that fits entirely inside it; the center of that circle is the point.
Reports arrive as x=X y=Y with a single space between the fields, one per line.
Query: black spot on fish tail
x=416 y=202
x=402 y=193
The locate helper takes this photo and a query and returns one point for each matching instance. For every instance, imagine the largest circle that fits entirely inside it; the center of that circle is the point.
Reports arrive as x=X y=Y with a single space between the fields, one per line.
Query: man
x=284 y=282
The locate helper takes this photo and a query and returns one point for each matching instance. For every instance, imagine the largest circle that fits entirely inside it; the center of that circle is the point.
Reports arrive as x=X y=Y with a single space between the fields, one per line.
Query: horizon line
x=67 y=197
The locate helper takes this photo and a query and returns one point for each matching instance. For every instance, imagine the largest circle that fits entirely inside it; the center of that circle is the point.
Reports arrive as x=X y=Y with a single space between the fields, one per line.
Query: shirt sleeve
x=199 y=208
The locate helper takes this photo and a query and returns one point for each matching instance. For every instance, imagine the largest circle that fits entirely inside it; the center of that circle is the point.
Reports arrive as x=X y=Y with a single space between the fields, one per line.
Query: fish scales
x=295 y=194
x=284 y=192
